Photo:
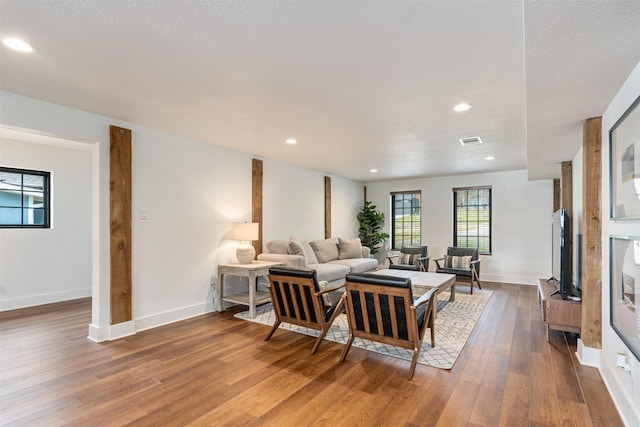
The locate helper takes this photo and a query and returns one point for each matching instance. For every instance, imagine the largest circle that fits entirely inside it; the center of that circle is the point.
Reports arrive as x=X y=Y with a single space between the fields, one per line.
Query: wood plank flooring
x=217 y=370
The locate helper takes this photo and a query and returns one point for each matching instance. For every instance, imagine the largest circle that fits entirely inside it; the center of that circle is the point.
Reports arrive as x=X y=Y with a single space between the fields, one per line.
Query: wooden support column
x=327 y=207
x=256 y=201
x=120 y=223
x=556 y=194
x=591 y=333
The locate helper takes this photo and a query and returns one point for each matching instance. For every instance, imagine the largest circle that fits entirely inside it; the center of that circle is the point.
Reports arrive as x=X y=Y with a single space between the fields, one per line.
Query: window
x=472 y=218
x=405 y=212
x=24 y=198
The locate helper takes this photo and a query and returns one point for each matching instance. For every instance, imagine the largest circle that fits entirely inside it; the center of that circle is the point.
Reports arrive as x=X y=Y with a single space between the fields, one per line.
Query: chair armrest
x=437 y=261
x=392 y=256
x=327 y=290
x=425 y=298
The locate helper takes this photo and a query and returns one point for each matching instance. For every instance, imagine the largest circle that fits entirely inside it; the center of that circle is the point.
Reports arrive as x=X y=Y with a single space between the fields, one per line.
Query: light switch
x=144 y=213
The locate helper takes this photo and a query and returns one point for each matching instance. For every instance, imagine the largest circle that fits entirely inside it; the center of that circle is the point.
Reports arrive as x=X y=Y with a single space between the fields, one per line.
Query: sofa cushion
x=349 y=248
x=358 y=265
x=311 y=256
x=460 y=262
x=278 y=247
x=295 y=248
x=326 y=250
x=330 y=272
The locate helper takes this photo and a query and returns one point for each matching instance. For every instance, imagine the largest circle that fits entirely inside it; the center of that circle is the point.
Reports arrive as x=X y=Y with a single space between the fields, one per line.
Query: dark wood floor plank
x=218 y=370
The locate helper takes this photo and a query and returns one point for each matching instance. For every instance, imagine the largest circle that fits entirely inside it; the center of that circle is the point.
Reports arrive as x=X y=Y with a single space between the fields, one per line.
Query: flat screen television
x=561 y=254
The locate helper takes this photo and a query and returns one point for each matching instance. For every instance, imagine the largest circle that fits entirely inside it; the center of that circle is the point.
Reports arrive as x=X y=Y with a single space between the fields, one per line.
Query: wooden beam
x=591 y=333
x=256 y=200
x=365 y=194
x=556 y=194
x=327 y=207
x=120 y=223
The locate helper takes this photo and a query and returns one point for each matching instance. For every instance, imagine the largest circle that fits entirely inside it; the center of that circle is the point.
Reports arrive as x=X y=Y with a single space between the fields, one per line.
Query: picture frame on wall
x=624 y=165
x=625 y=290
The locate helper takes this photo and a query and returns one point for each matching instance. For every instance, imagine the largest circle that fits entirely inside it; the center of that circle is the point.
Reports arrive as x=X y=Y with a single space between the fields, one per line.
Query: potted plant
x=371 y=221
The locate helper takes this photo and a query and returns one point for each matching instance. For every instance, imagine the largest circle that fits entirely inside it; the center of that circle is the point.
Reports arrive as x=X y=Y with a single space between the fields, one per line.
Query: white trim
x=98 y=334
x=172 y=316
x=613 y=379
x=34 y=300
x=122 y=330
x=588 y=356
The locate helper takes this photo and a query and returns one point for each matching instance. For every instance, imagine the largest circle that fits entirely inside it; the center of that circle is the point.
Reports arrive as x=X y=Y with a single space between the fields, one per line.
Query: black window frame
x=478 y=236
x=412 y=242
x=46 y=197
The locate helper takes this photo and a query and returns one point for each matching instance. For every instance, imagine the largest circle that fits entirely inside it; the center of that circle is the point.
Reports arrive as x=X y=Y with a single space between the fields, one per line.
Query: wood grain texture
x=327 y=207
x=256 y=201
x=566 y=196
x=217 y=370
x=120 y=223
x=556 y=194
x=591 y=233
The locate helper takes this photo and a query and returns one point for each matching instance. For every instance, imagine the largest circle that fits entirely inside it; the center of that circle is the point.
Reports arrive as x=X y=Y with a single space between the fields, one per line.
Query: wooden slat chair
x=469 y=275
x=401 y=323
x=297 y=299
x=413 y=258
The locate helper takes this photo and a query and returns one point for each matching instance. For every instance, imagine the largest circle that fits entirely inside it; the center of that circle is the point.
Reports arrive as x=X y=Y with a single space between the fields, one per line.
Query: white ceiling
x=360 y=84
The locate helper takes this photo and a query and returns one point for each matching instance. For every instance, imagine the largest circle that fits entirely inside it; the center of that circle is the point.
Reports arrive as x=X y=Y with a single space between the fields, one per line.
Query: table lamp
x=245 y=232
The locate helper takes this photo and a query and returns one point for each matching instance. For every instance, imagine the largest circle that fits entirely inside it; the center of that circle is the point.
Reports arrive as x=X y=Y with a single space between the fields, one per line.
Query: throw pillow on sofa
x=278 y=247
x=297 y=247
x=326 y=250
x=349 y=248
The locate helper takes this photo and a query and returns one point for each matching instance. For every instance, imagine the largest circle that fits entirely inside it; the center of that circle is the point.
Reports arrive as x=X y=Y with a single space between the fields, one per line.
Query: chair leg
x=323 y=333
x=414 y=361
x=346 y=348
x=275 y=328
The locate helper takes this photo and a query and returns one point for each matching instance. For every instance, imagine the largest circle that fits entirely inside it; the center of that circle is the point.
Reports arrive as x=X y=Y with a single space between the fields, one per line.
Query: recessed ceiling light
x=462 y=107
x=17 y=44
x=373 y=170
x=291 y=141
x=490 y=158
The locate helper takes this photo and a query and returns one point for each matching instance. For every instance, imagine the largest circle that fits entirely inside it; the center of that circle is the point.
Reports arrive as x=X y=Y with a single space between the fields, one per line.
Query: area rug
x=454 y=323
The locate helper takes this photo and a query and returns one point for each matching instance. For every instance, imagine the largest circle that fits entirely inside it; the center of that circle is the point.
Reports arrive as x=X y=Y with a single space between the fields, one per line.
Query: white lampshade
x=245 y=232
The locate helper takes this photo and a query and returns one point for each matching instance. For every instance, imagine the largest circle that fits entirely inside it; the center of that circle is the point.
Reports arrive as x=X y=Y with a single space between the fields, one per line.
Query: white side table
x=251 y=298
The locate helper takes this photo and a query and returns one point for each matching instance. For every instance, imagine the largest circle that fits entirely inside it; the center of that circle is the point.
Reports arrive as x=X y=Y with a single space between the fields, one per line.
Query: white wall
x=294 y=203
x=193 y=192
x=40 y=266
x=521 y=220
x=624 y=387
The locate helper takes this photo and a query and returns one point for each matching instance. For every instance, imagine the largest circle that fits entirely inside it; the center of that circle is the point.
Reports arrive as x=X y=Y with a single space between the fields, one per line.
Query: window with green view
x=405 y=223
x=24 y=198
x=472 y=218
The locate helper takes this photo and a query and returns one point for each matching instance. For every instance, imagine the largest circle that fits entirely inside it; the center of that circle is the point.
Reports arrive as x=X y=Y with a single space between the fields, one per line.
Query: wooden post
x=591 y=333
x=566 y=196
x=256 y=201
x=327 y=207
x=556 y=194
x=120 y=223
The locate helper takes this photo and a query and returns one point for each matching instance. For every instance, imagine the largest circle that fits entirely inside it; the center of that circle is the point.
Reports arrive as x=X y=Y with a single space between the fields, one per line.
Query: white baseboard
x=588 y=356
x=34 y=300
x=122 y=330
x=98 y=333
x=628 y=410
x=155 y=320
x=521 y=280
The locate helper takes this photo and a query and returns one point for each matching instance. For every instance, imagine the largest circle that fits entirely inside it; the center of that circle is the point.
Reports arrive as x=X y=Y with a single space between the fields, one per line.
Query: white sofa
x=332 y=258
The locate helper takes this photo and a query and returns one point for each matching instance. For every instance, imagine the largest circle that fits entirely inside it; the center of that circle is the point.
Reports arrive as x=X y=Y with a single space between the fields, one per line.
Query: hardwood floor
x=217 y=370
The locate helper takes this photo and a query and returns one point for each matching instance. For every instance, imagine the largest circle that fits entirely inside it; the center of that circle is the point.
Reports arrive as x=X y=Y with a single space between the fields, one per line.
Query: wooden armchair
x=415 y=258
x=452 y=263
x=401 y=323
x=297 y=299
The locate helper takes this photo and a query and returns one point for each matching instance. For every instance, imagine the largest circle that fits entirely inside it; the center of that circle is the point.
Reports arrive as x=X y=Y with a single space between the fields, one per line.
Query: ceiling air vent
x=471 y=140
